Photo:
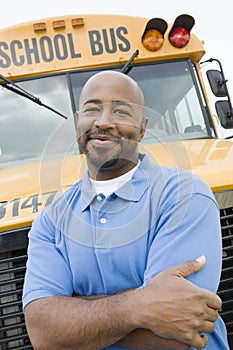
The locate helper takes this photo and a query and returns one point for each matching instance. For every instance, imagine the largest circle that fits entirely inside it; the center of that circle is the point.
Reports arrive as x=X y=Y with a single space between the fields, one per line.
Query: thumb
x=187 y=268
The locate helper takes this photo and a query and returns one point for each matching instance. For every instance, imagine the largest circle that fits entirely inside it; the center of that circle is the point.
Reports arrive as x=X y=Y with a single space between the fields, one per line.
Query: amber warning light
x=179 y=35
x=153 y=36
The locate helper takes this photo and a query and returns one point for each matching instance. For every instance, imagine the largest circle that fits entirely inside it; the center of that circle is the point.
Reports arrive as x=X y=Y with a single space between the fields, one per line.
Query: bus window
x=173 y=106
x=28 y=130
x=188 y=114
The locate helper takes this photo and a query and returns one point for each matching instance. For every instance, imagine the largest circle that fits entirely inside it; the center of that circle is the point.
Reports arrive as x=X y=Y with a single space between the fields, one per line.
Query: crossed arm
x=169 y=313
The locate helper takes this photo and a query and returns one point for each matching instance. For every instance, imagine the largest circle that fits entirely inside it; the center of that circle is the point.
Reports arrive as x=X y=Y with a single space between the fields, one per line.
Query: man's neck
x=107 y=187
x=111 y=171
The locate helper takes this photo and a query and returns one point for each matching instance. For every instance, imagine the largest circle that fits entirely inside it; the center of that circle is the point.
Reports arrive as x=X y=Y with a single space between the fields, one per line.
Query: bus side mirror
x=217 y=83
x=225 y=114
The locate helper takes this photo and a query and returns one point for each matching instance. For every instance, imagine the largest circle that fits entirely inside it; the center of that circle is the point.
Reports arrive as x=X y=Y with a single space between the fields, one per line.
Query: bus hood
x=211 y=159
x=27 y=188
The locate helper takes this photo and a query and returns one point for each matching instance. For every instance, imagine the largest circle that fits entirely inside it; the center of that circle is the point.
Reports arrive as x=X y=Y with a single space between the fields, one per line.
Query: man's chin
x=102 y=155
x=101 y=162
x=110 y=164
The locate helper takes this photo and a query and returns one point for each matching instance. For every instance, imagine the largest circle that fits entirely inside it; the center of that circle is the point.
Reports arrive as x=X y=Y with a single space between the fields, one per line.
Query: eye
x=91 y=110
x=121 y=112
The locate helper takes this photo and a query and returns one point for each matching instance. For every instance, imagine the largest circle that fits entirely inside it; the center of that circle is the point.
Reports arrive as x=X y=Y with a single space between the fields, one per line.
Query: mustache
x=102 y=135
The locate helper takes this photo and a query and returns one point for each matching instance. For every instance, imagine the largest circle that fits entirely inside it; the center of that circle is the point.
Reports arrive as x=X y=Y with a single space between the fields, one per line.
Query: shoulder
x=67 y=196
x=174 y=180
x=48 y=223
x=59 y=206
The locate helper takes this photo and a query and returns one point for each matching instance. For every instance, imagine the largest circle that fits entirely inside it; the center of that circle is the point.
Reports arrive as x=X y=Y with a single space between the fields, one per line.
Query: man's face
x=110 y=123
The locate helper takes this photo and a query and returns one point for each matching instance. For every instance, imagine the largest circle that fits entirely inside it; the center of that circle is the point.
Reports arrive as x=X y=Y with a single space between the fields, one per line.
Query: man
x=99 y=272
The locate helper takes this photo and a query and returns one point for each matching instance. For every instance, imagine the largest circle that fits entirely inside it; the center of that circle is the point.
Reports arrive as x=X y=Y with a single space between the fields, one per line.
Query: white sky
x=213 y=24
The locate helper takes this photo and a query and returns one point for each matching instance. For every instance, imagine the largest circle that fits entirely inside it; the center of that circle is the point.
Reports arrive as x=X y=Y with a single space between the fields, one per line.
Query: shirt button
x=99 y=198
x=103 y=221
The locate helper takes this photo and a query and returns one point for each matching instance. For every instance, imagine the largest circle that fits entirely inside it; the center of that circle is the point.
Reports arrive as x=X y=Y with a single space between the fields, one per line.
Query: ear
x=143 y=128
x=76 y=116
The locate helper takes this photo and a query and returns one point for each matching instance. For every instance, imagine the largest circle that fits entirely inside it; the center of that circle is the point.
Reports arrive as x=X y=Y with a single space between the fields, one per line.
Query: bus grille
x=13 y=333
x=225 y=290
x=13 y=250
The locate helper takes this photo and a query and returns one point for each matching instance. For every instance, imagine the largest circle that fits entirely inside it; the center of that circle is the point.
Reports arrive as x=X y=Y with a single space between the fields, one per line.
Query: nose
x=105 y=119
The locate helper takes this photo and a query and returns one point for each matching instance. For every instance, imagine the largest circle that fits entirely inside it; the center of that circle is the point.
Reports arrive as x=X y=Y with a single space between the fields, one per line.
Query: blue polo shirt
x=87 y=244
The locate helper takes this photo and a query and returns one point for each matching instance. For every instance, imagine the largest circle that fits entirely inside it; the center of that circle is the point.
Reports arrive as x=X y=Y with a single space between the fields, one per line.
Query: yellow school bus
x=43 y=65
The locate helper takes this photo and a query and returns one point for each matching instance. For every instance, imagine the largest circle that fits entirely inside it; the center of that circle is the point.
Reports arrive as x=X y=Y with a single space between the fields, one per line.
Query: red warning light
x=179 y=35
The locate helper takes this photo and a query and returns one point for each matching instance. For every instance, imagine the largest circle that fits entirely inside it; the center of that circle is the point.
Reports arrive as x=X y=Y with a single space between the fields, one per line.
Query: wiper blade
x=126 y=67
x=20 y=91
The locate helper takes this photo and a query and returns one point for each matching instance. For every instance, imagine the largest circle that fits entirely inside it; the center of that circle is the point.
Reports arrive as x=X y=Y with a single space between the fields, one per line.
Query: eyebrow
x=92 y=101
x=127 y=104
x=114 y=102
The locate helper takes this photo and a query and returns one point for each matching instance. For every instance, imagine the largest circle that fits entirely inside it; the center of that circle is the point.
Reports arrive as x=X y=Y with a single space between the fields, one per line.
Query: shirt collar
x=131 y=191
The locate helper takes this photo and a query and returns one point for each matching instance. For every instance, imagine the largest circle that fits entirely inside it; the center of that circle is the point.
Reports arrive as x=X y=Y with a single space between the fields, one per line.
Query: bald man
x=109 y=262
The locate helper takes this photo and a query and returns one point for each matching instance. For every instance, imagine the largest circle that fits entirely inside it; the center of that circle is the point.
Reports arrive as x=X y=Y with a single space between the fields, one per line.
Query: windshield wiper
x=10 y=85
x=126 y=67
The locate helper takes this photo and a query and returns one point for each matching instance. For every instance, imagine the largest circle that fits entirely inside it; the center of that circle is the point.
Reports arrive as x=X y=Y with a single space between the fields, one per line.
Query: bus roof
x=59 y=44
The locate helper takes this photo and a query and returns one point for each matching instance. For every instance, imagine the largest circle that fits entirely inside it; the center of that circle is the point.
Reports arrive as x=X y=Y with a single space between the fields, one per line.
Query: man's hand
x=173 y=307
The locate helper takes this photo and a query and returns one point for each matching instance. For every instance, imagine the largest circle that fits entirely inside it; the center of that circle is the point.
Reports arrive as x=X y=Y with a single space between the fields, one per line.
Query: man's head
x=110 y=123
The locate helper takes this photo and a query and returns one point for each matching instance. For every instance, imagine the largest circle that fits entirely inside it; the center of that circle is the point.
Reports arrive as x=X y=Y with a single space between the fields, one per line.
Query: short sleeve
x=184 y=232
x=47 y=270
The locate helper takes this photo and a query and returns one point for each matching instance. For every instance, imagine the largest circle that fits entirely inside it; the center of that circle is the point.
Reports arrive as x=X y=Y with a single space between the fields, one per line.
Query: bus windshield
x=26 y=129
x=175 y=107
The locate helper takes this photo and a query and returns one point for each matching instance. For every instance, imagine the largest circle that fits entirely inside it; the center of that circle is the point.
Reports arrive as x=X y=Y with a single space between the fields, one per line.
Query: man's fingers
x=208 y=327
x=198 y=307
x=215 y=302
x=189 y=267
x=211 y=315
x=201 y=341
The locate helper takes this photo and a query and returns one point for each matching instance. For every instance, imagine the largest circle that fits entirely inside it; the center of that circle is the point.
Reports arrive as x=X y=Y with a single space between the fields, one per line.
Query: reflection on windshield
x=26 y=128
x=29 y=132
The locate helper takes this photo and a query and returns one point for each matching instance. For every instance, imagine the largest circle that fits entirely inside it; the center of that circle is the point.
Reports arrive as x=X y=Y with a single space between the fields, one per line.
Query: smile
x=102 y=143
x=103 y=140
